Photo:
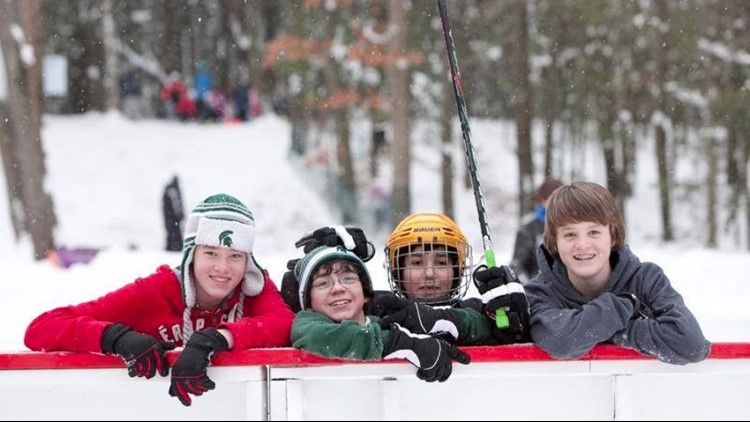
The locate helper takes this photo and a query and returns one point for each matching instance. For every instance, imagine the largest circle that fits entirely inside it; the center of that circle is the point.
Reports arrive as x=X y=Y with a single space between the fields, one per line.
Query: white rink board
x=620 y=389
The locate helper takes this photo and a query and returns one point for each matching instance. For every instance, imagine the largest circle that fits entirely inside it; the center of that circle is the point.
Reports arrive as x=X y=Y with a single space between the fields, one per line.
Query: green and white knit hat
x=221 y=220
x=309 y=264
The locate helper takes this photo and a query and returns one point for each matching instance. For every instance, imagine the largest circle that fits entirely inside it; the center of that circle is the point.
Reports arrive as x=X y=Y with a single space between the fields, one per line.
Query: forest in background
x=610 y=74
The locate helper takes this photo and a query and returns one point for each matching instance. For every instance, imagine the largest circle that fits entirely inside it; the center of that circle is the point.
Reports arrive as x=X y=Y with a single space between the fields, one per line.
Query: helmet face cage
x=428 y=260
x=430 y=272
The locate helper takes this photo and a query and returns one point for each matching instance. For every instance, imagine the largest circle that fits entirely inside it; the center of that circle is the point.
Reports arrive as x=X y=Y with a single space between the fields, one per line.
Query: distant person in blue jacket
x=529 y=235
x=203 y=84
x=592 y=289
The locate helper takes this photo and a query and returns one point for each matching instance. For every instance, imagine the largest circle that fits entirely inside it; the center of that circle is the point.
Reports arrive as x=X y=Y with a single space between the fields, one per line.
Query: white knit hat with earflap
x=223 y=221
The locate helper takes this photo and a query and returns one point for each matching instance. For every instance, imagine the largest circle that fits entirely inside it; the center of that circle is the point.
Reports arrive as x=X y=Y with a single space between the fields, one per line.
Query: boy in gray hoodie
x=591 y=288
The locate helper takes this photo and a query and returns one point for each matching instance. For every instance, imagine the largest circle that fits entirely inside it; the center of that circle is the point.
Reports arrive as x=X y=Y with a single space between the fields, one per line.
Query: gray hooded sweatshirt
x=566 y=324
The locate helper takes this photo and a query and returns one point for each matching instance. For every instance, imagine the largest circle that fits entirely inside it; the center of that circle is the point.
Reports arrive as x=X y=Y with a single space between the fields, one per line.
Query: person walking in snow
x=334 y=292
x=131 y=94
x=173 y=212
x=592 y=289
x=529 y=235
x=217 y=299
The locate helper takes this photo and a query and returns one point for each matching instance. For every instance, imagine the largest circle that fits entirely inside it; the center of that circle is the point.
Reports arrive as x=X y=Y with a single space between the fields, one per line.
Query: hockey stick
x=501 y=317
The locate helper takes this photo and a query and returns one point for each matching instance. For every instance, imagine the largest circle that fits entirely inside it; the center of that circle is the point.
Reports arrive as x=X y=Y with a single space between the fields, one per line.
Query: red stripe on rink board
x=293 y=357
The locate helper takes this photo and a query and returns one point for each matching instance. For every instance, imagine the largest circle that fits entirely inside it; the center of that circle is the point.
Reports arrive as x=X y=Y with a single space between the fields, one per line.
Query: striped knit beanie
x=309 y=264
x=222 y=221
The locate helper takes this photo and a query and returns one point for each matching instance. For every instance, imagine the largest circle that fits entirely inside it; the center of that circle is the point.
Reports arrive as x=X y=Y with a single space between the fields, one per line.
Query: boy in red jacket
x=217 y=299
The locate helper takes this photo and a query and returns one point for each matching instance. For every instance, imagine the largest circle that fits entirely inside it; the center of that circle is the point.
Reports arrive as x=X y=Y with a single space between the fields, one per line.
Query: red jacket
x=153 y=305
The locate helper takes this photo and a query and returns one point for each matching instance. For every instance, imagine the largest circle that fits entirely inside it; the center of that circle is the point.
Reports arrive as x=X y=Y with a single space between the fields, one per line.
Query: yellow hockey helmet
x=427 y=232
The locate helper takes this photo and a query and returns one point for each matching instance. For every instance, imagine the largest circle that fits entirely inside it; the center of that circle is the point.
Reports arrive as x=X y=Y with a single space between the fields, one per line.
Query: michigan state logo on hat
x=225 y=238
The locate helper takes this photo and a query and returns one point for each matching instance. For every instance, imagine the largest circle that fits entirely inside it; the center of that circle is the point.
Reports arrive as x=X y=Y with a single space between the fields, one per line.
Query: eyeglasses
x=327 y=282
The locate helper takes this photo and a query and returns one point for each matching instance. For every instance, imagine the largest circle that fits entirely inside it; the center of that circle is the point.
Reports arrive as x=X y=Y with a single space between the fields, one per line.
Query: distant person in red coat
x=186 y=109
x=172 y=93
x=217 y=299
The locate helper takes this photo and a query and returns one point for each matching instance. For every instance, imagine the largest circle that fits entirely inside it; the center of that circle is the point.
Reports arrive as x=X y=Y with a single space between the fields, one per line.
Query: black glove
x=640 y=309
x=433 y=356
x=419 y=318
x=290 y=289
x=352 y=238
x=143 y=354
x=189 y=372
x=500 y=288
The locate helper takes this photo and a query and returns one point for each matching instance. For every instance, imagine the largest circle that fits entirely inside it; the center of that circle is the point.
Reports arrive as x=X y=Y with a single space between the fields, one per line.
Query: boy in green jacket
x=335 y=289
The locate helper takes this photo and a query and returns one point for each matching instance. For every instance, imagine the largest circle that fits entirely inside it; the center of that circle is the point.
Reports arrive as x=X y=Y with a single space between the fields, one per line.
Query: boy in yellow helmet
x=429 y=263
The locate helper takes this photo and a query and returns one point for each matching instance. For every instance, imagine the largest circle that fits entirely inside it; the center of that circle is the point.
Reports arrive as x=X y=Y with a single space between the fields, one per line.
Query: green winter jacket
x=317 y=334
x=475 y=329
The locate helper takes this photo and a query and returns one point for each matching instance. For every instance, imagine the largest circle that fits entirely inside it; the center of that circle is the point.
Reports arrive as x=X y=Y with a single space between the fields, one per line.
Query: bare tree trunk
x=742 y=188
x=25 y=99
x=711 y=194
x=734 y=79
x=446 y=133
x=175 y=42
x=628 y=160
x=111 y=86
x=660 y=74
x=662 y=163
x=85 y=86
x=399 y=87
x=347 y=179
x=551 y=81
x=256 y=26
x=12 y=178
x=272 y=12
x=613 y=176
x=243 y=40
x=225 y=69
x=522 y=105
x=616 y=176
